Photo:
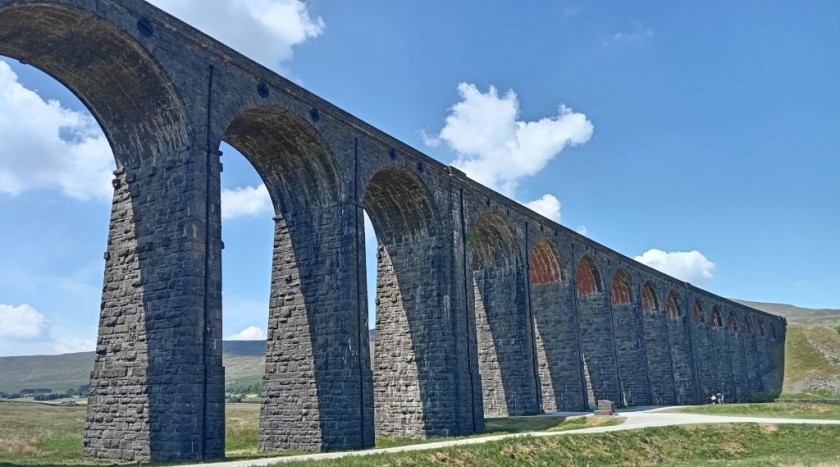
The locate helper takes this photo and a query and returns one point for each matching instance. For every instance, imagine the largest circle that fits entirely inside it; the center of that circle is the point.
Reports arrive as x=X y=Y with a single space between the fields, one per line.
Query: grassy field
x=39 y=434
x=743 y=445
x=780 y=410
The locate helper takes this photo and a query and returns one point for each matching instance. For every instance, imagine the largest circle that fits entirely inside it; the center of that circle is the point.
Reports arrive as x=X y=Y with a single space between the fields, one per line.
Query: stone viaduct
x=484 y=308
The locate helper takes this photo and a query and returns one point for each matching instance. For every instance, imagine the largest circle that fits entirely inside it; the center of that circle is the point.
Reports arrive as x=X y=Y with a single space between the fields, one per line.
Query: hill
x=812 y=361
x=797 y=315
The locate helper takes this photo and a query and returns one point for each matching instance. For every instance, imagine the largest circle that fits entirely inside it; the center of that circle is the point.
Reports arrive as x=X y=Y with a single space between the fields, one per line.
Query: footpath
x=637 y=418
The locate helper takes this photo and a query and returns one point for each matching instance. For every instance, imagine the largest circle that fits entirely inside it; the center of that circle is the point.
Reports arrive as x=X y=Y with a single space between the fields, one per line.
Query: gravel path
x=634 y=419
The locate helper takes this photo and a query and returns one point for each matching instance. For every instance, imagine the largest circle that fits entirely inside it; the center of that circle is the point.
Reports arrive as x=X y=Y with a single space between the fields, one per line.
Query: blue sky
x=701 y=137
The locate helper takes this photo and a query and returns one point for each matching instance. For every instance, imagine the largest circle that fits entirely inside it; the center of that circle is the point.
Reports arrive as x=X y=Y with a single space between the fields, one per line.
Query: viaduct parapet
x=484 y=308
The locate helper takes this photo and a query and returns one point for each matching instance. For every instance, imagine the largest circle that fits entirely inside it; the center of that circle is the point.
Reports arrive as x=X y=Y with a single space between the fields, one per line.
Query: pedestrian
x=714 y=399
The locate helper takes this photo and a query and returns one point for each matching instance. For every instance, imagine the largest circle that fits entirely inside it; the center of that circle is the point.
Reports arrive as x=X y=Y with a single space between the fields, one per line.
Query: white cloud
x=265 y=30
x=497 y=149
x=22 y=322
x=245 y=201
x=46 y=146
x=689 y=266
x=549 y=206
x=581 y=229
x=638 y=32
x=251 y=333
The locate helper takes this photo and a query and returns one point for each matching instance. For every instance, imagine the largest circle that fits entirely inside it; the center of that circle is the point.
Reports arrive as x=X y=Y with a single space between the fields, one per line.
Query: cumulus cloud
x=689 y=266
x=247 y=201
x=495 y=147
x=47 y=146
x=549 y=206
x=251 y=333
x=22 y=322
x=582 y=229
x=265 y=30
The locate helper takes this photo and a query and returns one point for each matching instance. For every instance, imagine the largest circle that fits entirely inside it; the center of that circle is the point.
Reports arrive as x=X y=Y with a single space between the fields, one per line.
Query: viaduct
x=484 y=308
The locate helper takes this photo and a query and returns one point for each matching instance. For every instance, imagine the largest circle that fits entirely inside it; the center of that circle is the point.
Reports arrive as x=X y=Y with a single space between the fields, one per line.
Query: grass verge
x=776 y=410
x=742 y=444
x=511 y=425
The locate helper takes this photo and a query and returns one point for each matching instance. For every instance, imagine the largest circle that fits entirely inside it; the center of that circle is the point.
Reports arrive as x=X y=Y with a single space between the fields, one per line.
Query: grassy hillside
x=812 y=361
x=57 y=372
x=797 y=315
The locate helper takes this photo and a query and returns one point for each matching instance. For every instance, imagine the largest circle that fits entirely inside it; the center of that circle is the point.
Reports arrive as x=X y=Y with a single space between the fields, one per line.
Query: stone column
x=315 y=391
x=151 y=385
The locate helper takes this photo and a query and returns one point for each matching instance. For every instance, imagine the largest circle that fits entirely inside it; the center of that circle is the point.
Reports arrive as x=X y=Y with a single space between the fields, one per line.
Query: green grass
x=743 y=444
x=511 y=425
x=41 y=434
x=778 y=410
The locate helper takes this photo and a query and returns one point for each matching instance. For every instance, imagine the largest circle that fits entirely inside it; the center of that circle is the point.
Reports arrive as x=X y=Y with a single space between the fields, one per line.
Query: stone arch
x=620 y=290
x=129 y=94
x=672 y=306
x=506 y=357
x=597 y=335
x=493 y=243
x=315 y=336
x=680 y=348
x=413 y=346
x=650 y=304
x=546 y=266
x=555 y=328
x=697 y=315
x=629 y=341
x=588 y=277
x=295 y=163
x=704 y=353
x=714 y=317
x=139 y=110
x=657 y=348
x=732 y=323
x=746 y=328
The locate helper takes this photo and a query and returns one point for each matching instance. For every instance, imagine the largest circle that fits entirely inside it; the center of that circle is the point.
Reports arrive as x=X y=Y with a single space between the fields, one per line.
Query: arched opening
x=731 y=323
x=745 y=327
x=697 y=315
x=505 y=344
x=620 y=288
x=587 y=277
x=704 y=353
x=735 y=352
x=650 y=304
x=597 y=337
x=142 y=117
x=414 y=340
x=715 y=318
x=629 y=342
x=672 y=306
x=555 y=328
x=657 y=348
x=316 y=350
